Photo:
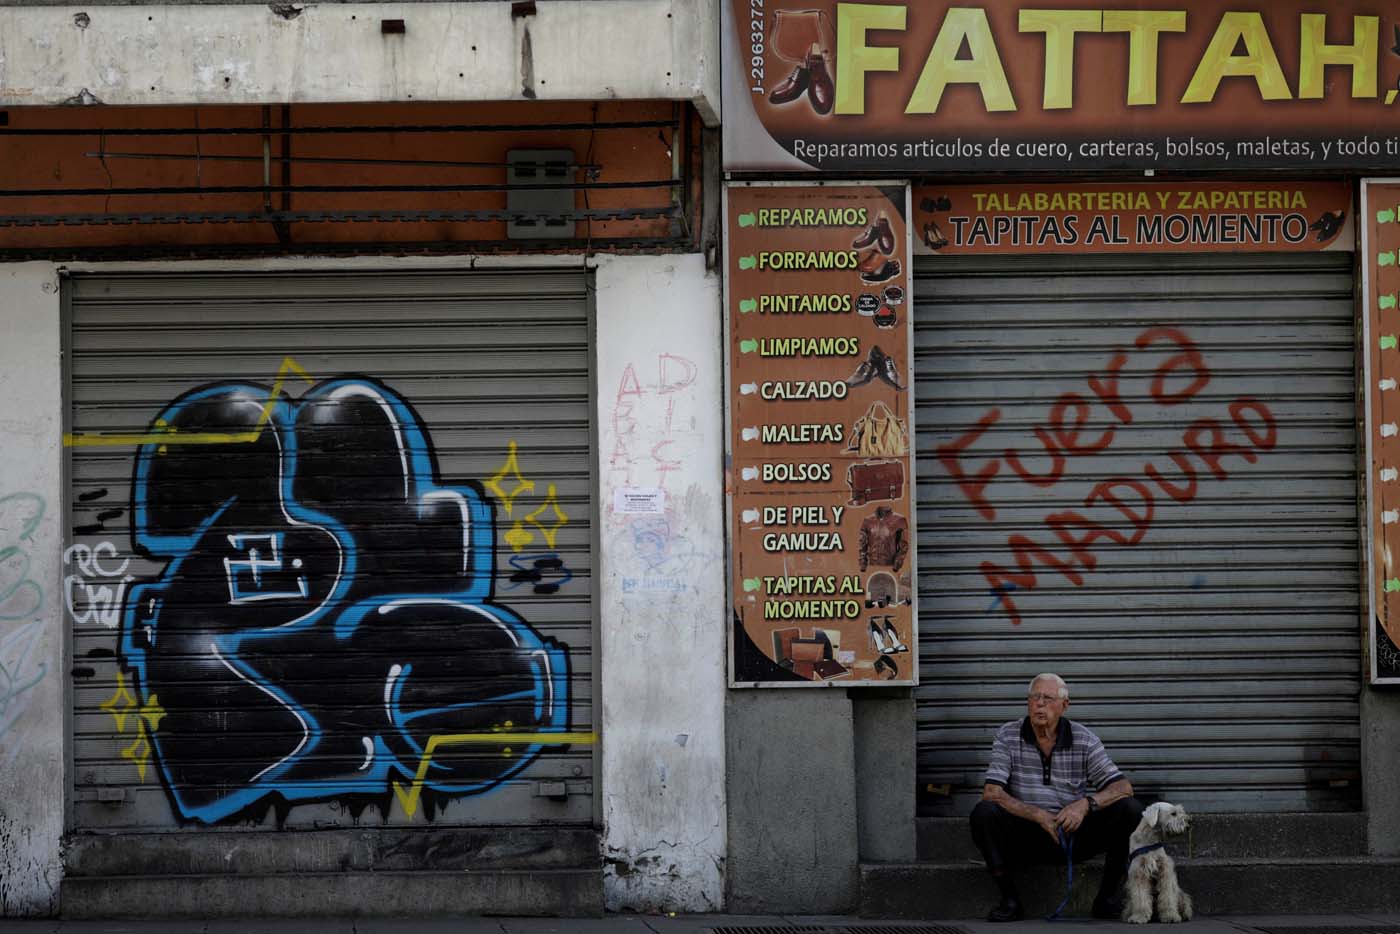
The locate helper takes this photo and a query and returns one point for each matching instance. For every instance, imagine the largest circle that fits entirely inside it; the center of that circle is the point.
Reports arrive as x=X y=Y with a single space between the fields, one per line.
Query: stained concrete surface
x=682 y=924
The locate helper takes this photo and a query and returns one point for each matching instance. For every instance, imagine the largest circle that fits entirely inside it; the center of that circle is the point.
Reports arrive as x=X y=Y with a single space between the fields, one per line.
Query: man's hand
x=1072 y=815
x=1049 y=823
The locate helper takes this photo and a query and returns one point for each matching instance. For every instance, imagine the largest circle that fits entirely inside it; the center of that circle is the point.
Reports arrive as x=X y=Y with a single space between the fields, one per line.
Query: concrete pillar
x=33 y=677
x=792 y=802
x=661 y=583
x=886 y=776
x=1380 y=763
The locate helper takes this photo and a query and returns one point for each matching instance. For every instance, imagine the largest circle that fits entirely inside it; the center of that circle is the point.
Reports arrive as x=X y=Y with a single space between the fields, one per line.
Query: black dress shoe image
x=867 y=239
x=888 y=374
x=863 y=374
x=879 y=235
x=821 y=90
x=790 y=88
x=1008 y=909
x=886 y=272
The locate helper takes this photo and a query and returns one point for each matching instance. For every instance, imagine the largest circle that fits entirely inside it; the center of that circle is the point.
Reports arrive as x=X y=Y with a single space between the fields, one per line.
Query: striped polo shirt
x=1077 y=766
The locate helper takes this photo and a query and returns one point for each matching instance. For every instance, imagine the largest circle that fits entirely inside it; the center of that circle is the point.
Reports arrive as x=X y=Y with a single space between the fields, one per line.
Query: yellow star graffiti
x=561 y=518
x=511 y=468
x=152 y=712
x=139 y=752
x=519 y=536
x=147 y=720
x=120 y=702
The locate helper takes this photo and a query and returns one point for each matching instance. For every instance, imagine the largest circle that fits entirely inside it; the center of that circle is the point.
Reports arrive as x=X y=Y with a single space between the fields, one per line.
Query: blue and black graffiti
x=325 y=609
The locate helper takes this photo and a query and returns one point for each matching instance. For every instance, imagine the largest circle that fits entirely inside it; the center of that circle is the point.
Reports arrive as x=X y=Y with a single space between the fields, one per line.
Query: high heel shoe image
x=893 y=641
x=877 y=639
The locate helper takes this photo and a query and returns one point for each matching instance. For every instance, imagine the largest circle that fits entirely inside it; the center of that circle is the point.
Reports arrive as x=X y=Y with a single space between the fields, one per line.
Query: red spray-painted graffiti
x=1251 y=425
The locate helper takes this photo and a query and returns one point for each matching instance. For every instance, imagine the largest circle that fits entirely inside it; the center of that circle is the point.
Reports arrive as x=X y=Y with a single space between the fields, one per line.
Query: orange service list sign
x=823 y=577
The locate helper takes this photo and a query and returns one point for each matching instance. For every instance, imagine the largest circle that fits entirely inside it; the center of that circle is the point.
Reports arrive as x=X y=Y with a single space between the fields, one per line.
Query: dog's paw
x=1170 y=917
x=1131 y=918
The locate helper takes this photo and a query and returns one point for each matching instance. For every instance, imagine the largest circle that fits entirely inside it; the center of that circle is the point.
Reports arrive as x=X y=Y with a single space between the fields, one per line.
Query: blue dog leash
x=1066 y=844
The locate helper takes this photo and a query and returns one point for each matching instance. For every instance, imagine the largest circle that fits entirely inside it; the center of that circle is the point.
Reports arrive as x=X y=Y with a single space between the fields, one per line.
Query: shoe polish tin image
x=822 y=557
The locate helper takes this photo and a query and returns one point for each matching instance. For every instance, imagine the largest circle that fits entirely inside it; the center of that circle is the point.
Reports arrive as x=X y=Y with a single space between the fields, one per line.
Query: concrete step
x=1259 y=885
x=416 y=894
x=333 y=851
x=1219 y=836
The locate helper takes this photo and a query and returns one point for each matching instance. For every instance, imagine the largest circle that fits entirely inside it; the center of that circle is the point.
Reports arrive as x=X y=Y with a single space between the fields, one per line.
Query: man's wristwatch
x=1093 y=805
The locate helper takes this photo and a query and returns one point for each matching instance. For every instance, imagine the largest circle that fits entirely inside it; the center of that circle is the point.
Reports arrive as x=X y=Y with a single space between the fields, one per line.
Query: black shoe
x=863 y=374
x=882 y=274
x=889 y=374
x=1008 y=910
x=790 y=88
x=1108 y=909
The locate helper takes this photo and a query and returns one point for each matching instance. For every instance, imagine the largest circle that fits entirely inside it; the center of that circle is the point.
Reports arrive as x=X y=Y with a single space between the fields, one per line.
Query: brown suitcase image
x=875 y=480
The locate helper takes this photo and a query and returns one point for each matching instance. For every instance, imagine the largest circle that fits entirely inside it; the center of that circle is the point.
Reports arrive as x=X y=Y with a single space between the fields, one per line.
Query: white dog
x=1150 y=867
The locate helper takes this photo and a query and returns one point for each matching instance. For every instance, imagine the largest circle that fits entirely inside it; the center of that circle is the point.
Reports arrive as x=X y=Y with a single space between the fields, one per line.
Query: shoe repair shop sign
x=924 y=85
x=1134 y=217
x=821 y=502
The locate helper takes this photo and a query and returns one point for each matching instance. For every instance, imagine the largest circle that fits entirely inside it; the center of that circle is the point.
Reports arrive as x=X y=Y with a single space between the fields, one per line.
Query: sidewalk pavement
x=691 y=924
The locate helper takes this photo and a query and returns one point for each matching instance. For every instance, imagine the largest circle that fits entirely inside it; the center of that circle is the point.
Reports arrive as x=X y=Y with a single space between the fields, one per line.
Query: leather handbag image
x=878 y=480
x=879 y=433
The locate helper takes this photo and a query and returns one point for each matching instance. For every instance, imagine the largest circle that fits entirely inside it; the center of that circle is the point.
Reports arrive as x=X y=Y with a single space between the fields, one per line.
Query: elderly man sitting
x=1051 y=778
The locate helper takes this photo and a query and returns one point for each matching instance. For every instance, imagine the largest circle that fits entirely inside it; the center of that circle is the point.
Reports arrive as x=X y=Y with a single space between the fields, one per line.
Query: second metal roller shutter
x=1213 y=645
x=291 y=606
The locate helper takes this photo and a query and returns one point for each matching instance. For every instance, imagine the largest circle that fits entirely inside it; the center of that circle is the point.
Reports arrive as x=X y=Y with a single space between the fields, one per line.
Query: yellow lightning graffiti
x=165 y=435
x=408 y=797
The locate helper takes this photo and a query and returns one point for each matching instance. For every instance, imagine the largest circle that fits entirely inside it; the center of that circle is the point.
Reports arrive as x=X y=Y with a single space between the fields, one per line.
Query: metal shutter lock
x=543 y=207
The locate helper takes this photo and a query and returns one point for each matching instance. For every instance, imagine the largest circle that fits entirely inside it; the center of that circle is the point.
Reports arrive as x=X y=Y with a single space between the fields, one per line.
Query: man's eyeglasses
x=1043 y=698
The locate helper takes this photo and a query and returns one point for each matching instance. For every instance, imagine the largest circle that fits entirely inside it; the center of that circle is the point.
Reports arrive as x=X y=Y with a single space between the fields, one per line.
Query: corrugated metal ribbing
x=1140 y=473
x=331 y=549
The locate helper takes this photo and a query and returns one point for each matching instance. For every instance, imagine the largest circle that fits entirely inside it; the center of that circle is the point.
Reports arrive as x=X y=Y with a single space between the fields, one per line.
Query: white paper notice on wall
x=638 y=500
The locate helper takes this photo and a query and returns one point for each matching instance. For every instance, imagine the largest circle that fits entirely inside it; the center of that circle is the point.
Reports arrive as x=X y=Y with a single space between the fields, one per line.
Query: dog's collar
x=1145 y=849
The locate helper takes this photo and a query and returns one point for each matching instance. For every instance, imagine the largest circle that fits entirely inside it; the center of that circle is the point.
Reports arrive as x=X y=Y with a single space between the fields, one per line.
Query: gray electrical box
x=543 y=206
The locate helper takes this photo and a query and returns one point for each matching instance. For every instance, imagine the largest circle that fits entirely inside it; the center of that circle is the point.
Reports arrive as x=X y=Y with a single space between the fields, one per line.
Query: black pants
x=1008 y=841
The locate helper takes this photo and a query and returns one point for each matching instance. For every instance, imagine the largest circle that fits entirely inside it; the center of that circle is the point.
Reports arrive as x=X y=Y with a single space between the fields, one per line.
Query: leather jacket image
x=884 y=539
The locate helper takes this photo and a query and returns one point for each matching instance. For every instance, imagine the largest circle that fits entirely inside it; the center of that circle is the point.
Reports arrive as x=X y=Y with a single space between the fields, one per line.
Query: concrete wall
x=303 y=53
x=32 y=773
x=792 y=802
x=1380 y=763
x=885 y=729
x=661 y=593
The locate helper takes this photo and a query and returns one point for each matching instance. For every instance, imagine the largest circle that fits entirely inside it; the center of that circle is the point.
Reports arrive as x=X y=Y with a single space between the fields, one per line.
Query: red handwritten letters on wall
x=1210 y=447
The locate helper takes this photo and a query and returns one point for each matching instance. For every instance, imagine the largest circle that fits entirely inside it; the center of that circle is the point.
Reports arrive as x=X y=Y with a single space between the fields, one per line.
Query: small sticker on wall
x=639 y=500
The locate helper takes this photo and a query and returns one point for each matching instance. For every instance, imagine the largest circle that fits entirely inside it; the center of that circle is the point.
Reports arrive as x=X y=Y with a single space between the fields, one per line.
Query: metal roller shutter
x=1210 y=636
x=365 y=596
